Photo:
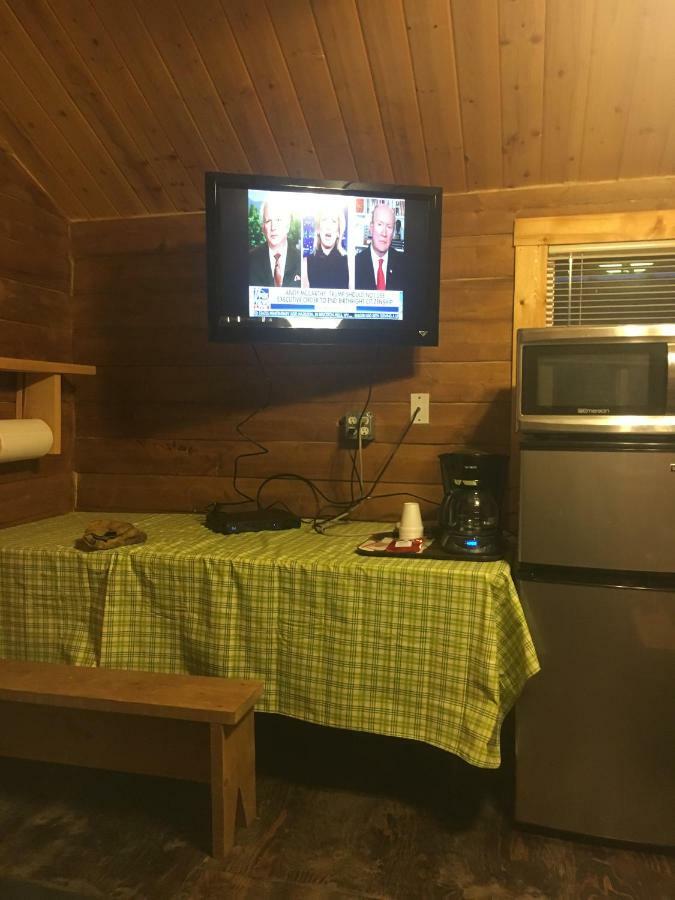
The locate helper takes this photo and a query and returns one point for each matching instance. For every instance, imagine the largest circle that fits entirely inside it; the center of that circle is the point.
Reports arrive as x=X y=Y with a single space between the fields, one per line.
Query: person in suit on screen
x=276 y=262
x=327 y=265
x=380 y=266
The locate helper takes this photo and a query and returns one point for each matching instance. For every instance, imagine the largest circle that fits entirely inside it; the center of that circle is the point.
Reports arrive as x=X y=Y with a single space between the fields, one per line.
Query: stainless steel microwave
x=596 y=379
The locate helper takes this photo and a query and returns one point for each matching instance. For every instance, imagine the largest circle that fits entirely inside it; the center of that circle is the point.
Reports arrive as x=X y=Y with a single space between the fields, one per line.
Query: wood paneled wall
x=157 y=426
x=35 y=323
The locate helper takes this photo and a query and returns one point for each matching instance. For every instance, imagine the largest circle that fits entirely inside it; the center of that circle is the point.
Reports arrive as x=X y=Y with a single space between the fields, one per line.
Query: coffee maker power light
x=469 y=518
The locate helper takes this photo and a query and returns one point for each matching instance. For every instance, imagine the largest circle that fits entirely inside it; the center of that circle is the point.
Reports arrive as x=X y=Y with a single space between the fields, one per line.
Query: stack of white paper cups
x=410 y=527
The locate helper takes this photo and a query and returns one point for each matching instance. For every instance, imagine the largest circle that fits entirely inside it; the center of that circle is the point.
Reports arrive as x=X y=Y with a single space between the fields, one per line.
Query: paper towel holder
x=38 y=390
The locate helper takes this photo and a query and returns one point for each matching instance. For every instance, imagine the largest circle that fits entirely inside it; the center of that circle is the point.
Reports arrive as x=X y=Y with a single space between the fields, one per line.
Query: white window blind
x=617 y=284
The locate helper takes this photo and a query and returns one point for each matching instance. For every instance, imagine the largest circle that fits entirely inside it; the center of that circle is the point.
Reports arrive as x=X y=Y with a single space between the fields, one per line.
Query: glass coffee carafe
x=470 y=512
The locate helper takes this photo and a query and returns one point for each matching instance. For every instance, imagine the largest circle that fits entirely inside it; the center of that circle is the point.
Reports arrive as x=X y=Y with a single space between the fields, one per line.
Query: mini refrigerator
x=595 y=729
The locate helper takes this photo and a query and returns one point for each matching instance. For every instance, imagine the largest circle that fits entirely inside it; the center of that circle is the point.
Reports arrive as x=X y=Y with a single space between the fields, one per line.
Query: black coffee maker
x=469 y=518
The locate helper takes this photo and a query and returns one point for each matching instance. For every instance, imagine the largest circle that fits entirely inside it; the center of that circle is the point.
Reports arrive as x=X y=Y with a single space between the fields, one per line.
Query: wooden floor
x=341 y=815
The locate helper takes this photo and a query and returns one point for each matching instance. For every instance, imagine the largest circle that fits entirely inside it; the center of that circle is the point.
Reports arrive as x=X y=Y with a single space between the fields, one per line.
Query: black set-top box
x=223 y=520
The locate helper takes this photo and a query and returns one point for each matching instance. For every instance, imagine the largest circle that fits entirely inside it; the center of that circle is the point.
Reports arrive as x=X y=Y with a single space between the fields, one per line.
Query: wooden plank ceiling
x=118 y=107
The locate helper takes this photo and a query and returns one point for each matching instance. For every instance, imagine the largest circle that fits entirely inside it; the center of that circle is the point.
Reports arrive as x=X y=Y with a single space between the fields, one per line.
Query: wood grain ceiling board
x=215 y=40
x=299 y=39
x=391 y=66
x=477 y=48
x=21 y=201
x=17 y=184
x=76 y=188
x=345 y=49
x=75 y=75
x=40 y=168
x=616 y=38
x=569 y=30
x=39 y=79
x=653 y=92
x=99 y=51
x=259 y=46
x=181 y=56
x=147 y=67
x=430 y=33
x=118 y=107
x=522 y=31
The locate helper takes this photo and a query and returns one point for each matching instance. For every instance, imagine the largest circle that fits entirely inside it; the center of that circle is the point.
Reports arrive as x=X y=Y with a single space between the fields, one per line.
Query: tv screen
x=293 y=260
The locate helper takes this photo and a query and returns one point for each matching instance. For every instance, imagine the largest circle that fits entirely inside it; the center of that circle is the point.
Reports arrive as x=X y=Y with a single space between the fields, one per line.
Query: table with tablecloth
x=432 y=650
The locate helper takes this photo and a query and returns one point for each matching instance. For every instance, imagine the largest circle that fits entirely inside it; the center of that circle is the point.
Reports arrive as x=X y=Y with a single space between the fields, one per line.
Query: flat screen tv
x=294 y=260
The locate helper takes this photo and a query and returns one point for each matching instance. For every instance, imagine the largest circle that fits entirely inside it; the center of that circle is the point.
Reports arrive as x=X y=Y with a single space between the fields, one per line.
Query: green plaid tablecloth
x=432 y=650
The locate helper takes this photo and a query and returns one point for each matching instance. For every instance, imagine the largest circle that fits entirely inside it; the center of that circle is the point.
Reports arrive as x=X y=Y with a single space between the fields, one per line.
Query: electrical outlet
x=350 y=426
x=421 y=402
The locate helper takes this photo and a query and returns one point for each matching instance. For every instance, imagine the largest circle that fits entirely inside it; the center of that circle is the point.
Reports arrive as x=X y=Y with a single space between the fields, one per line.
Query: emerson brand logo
x=590 y=411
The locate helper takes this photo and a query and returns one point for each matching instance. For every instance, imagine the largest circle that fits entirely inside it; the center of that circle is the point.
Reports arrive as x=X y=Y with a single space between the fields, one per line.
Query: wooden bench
x=178 y=726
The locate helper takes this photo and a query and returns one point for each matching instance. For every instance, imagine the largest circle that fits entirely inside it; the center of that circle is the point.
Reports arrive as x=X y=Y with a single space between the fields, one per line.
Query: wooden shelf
x=7 y=364
x=38 y=390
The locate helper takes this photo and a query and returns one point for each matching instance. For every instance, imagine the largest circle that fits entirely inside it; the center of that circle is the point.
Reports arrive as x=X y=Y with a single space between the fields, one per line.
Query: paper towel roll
x=24 y=439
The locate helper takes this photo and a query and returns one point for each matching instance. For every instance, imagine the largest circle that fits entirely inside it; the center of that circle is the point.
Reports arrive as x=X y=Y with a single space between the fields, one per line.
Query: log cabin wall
x=158 y=426
x=35 y=323
x=118 y=108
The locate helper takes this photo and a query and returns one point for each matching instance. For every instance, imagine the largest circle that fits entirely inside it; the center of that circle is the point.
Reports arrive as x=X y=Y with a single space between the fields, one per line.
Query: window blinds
x=616 y=284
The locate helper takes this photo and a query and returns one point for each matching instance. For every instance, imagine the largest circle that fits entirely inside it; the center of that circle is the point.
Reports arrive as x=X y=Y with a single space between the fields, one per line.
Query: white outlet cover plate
x=421 y=401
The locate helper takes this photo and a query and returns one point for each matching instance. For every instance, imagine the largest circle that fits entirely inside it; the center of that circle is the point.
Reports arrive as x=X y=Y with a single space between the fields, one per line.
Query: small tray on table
x=387 y=543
